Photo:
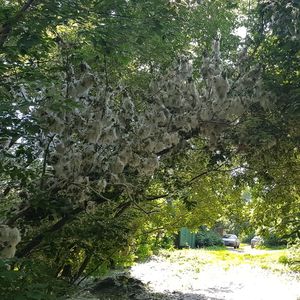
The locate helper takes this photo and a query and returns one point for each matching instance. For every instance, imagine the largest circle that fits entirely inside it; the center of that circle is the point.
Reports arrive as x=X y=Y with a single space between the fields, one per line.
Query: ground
x=230 y=274
x=198 y=274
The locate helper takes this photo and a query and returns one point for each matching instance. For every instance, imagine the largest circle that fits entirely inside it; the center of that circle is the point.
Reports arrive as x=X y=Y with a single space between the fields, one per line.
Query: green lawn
x=274 y=260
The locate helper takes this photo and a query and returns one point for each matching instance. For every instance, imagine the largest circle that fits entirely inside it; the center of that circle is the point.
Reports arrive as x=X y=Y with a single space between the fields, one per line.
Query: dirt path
x=253 y=251
x=213 y=282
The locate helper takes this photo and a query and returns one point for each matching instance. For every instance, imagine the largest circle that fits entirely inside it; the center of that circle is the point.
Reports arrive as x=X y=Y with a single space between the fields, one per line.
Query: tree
x=96 y=106
x=274 y=166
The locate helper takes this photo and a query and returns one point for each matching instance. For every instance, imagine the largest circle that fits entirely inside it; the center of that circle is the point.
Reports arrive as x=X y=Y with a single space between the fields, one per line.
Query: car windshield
x=229 y=236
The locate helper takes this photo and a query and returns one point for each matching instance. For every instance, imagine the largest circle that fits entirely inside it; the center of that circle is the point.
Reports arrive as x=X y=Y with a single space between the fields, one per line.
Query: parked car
x=257 y=240
x=231 y=240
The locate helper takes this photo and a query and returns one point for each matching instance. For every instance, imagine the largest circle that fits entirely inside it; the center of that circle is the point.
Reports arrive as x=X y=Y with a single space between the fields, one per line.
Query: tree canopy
x=122 y=121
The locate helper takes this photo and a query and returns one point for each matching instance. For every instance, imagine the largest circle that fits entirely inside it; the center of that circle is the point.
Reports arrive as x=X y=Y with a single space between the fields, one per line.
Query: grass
x=264 y=247
x=226 y=258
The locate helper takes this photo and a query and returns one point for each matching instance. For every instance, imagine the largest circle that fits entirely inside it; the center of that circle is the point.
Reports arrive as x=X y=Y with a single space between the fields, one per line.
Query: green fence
x=187 y=238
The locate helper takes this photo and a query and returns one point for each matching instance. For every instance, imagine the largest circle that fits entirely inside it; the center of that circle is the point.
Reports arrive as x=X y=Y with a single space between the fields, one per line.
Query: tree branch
x=155 y=197
x=81 y=268
x=40 y=237
x=36 y=241
x=206 y=172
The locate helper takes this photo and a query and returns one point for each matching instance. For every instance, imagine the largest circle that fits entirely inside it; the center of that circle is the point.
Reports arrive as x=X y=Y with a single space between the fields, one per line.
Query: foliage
x=273 y=240
x=206 y=238
x=293 y=258
x=268 y=142
x=246 y=238
x=120 y=124
x=151 y=244
x=27 y=279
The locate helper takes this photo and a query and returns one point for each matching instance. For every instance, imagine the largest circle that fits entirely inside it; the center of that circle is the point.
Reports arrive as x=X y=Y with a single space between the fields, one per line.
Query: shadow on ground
x=125 y=288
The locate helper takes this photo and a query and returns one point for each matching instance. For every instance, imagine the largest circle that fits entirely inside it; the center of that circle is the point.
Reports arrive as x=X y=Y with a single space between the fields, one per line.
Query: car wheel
x=238 y=246
x=252 y=246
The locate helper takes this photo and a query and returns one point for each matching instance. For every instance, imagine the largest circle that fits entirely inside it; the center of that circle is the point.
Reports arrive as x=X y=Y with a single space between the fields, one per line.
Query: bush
x=283 y=259
x=246 y=238
x=294 y=256
x=28 y=279
x=149 y=245
x=273 y=240
x=207 y=238
x=144 y=251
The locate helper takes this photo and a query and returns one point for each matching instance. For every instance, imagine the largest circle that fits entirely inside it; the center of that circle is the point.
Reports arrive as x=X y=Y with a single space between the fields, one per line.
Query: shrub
x=294 y=256
x=246 y=238
x=273 y=240
x=144 y=251
x=207 y=238
x=283 y=259
x=151 y=245
x=28 y=279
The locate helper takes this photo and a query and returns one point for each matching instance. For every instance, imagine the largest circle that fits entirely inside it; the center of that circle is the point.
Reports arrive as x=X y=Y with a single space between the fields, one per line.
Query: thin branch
x=7 y=190
x=101 y=197
x=81 y=268
x=155 y=197
x=96 y=268
x=206 y=173
x=121 y=208
x=161 y=228
x=138 y=207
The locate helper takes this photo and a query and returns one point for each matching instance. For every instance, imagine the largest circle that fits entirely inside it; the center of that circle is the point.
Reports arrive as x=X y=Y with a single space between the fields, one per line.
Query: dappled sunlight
x=131 y=126
x=217 y=274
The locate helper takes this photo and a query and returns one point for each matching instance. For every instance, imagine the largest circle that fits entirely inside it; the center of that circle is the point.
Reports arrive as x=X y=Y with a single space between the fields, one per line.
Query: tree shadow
x=148 y=295
x=129 y=288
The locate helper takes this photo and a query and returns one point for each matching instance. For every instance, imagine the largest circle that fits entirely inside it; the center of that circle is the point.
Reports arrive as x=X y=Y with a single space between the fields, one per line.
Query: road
x=253 y=251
